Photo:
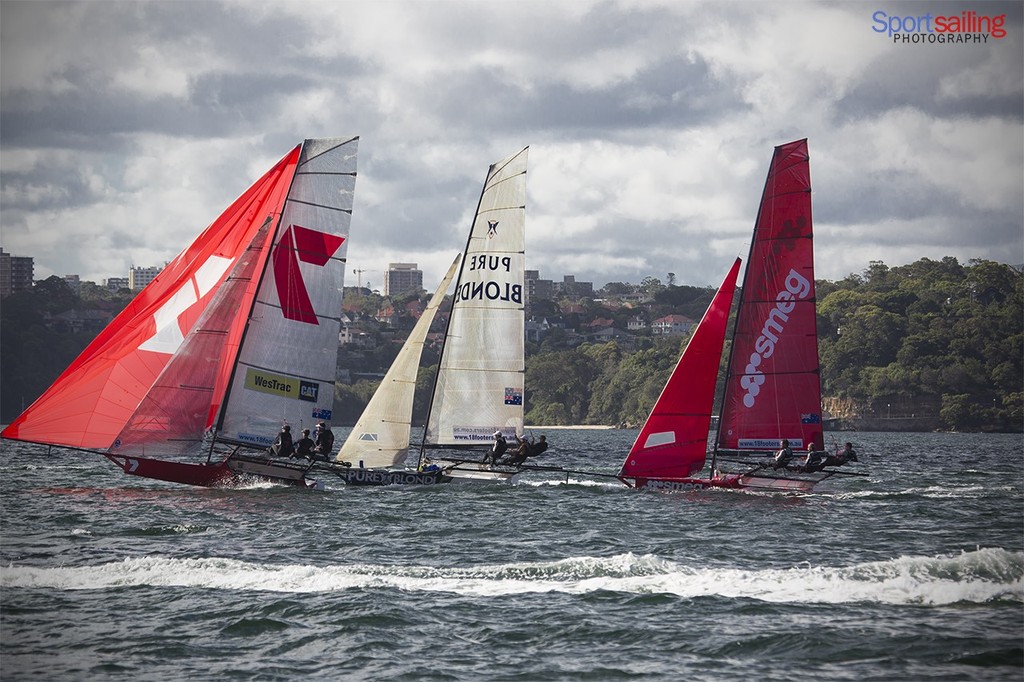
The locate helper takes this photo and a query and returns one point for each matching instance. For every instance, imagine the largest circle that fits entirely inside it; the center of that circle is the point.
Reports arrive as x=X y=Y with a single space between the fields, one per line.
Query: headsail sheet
x=92 y=400
x=673 y=441
x=773 y=387
x=479 y=387
x=381 y=436
x=288 y=358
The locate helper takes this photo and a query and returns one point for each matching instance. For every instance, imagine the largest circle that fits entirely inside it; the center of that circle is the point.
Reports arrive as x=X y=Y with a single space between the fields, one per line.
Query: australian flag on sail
x=810 y=419
x=513 y=396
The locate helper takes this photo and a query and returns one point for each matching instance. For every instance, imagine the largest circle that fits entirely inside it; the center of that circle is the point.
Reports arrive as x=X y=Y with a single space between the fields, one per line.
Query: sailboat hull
x=381 y=477
x=474 y=475
x=681 y=484
x=753 y=481
x=226 y=474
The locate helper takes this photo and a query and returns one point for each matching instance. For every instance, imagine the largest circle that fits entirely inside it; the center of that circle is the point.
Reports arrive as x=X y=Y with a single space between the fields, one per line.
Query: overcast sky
x=127 y=127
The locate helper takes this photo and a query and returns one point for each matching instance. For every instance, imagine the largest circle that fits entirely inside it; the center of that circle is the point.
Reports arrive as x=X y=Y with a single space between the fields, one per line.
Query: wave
x=933 y=492
x=980 y=576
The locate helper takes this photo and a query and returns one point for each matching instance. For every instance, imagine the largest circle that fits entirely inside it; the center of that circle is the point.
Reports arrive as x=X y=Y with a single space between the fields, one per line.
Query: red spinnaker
x=773 y=387
x=91 y=402
x=673 y=441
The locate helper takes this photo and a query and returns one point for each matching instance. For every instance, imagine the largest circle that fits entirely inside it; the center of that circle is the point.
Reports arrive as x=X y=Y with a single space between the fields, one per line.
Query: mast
x=720 y=398
x=479 y=383
x=770 y=396
x=221 y=411
x=448 y=324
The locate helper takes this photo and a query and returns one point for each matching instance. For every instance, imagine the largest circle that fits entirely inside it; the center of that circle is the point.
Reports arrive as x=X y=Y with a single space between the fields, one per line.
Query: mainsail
x=288 y=359
x=773 y=387
x=381 y=436
x=262 y=282
x=479 y=385
x=673 y=441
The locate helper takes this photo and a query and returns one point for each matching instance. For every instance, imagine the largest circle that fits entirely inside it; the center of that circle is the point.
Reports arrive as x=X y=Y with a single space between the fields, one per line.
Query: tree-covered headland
x=929 y=345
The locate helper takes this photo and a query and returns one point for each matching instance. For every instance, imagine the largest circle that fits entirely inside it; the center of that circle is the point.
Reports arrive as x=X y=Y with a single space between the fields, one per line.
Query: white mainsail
x=381 y=436
x=479 y=386
x=288 y=359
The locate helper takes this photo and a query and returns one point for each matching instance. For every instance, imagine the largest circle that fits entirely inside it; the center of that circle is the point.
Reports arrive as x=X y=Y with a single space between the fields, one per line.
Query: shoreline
x=579 y=426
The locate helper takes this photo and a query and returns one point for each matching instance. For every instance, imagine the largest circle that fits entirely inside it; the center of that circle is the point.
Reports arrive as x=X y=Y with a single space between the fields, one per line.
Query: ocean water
x=914 y=572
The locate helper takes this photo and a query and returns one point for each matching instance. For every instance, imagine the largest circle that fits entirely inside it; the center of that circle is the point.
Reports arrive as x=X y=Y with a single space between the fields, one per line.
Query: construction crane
x=359 y=276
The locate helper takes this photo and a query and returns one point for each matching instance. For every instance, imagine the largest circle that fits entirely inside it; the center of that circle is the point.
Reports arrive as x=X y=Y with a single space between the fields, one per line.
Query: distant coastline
x=577 y=426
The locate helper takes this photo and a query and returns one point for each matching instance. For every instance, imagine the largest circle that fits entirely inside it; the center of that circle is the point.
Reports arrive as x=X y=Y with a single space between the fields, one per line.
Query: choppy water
x=913 y=573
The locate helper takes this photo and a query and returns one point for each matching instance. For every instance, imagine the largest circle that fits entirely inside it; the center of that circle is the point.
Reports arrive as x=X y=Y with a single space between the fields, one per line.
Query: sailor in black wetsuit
x=783 y=456
x=283 y=447
x=814 y=460
x=840 y=458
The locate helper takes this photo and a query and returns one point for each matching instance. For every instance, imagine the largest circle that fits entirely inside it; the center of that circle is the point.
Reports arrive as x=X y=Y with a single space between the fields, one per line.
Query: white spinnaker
x=479 y=387
x=381 y=436
x=288 y=360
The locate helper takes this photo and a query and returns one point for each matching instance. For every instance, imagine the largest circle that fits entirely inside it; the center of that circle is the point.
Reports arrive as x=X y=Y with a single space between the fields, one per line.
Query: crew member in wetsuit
x=323 y=442
x=814 y=460
x=538 y=448
x=498 y=449
x=283 y=447
x=840 y=458
x=304 y=448
x=783 y=456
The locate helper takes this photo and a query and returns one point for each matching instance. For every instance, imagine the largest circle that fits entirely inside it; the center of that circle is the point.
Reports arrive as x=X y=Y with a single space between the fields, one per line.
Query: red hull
x=225 y=474
x=681 y=483
x=749 y=481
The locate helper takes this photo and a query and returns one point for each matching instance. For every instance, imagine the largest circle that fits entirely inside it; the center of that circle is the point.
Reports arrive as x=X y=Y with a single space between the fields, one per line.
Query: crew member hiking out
x=497 y=450
x=323 y=442
x=283 y=447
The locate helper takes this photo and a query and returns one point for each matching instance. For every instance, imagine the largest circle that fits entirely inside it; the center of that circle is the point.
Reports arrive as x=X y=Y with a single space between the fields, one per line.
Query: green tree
x=558 y=387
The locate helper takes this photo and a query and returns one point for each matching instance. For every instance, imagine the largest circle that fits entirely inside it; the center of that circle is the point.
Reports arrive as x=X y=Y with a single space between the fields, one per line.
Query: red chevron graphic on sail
x=309 y=246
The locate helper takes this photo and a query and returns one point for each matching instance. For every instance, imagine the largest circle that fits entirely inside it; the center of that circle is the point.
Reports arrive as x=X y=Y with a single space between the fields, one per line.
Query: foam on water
x=978 y=576
x=582 y=482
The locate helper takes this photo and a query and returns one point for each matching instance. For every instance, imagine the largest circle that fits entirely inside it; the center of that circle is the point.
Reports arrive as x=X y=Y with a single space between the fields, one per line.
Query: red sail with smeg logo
x=773 y=386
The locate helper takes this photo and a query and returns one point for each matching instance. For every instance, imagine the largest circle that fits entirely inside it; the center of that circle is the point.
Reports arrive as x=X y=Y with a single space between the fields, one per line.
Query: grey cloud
x=255 y=62
x=672 y=93
x=894 y=82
